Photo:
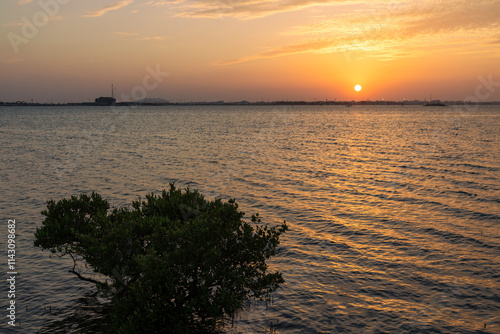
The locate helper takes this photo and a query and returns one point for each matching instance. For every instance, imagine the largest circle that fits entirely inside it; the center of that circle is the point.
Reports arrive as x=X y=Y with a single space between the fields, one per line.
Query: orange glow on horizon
x=398 y=51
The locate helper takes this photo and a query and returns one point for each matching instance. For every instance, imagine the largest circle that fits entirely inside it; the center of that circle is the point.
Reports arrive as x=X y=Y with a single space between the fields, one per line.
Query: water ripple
x=394 y=212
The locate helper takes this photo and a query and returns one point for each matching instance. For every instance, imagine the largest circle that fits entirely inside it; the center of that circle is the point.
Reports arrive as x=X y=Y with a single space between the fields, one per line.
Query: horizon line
x=261 y=102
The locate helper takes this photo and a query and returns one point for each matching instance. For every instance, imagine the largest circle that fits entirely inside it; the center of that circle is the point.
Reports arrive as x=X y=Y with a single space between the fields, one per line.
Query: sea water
x=394 y=211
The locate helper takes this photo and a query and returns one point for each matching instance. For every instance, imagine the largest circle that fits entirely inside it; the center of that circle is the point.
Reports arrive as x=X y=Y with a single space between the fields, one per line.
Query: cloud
x=249 y=9
x=401 y=31
x=24 y=2
x=153 y=38
x=137 y=37
x=125 y=34
x=450 y=16
x=15 y=24
x=285 y=50
x=114 y=6
x=157 y=3
x=160 y=3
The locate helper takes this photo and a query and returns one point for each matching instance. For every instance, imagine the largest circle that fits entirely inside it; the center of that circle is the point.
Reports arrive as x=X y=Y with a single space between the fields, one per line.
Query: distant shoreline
x=245 y=103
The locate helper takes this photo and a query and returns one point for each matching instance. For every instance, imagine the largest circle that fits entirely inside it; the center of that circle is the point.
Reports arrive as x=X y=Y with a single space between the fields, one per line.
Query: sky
x=233 y=50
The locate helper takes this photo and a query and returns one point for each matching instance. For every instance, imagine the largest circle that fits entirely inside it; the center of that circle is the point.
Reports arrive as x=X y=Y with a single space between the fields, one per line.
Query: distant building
x=105 y=101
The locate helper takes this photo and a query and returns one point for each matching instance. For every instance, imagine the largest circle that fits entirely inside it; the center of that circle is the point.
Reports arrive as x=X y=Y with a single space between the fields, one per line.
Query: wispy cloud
x=137 y=37
x=403 y=31
x=14 y=24
x=250 y=9
x=157 y=3
x=153 y=38
x=285 y=50
x=125 y=34
x=114 y=6
x=161 y=3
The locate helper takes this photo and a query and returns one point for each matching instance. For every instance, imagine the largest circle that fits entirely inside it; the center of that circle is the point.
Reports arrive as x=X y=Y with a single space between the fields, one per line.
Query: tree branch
x=82 y=277
x=78 y=274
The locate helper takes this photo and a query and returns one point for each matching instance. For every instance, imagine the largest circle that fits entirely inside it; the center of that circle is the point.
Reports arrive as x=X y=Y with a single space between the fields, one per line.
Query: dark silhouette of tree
x=173 y=263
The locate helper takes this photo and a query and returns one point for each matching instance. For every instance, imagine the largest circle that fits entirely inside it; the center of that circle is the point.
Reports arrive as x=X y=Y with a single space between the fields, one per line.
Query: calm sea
x=394 y=212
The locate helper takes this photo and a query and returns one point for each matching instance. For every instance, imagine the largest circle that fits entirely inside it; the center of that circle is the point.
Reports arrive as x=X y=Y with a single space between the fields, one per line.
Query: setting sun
x=357 y=88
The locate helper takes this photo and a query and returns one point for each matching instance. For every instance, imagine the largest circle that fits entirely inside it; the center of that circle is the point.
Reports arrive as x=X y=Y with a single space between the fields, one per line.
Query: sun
x=357 y=88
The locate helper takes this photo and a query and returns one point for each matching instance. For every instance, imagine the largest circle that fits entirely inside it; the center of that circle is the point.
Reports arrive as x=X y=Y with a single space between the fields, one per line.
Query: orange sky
x=71 y=51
